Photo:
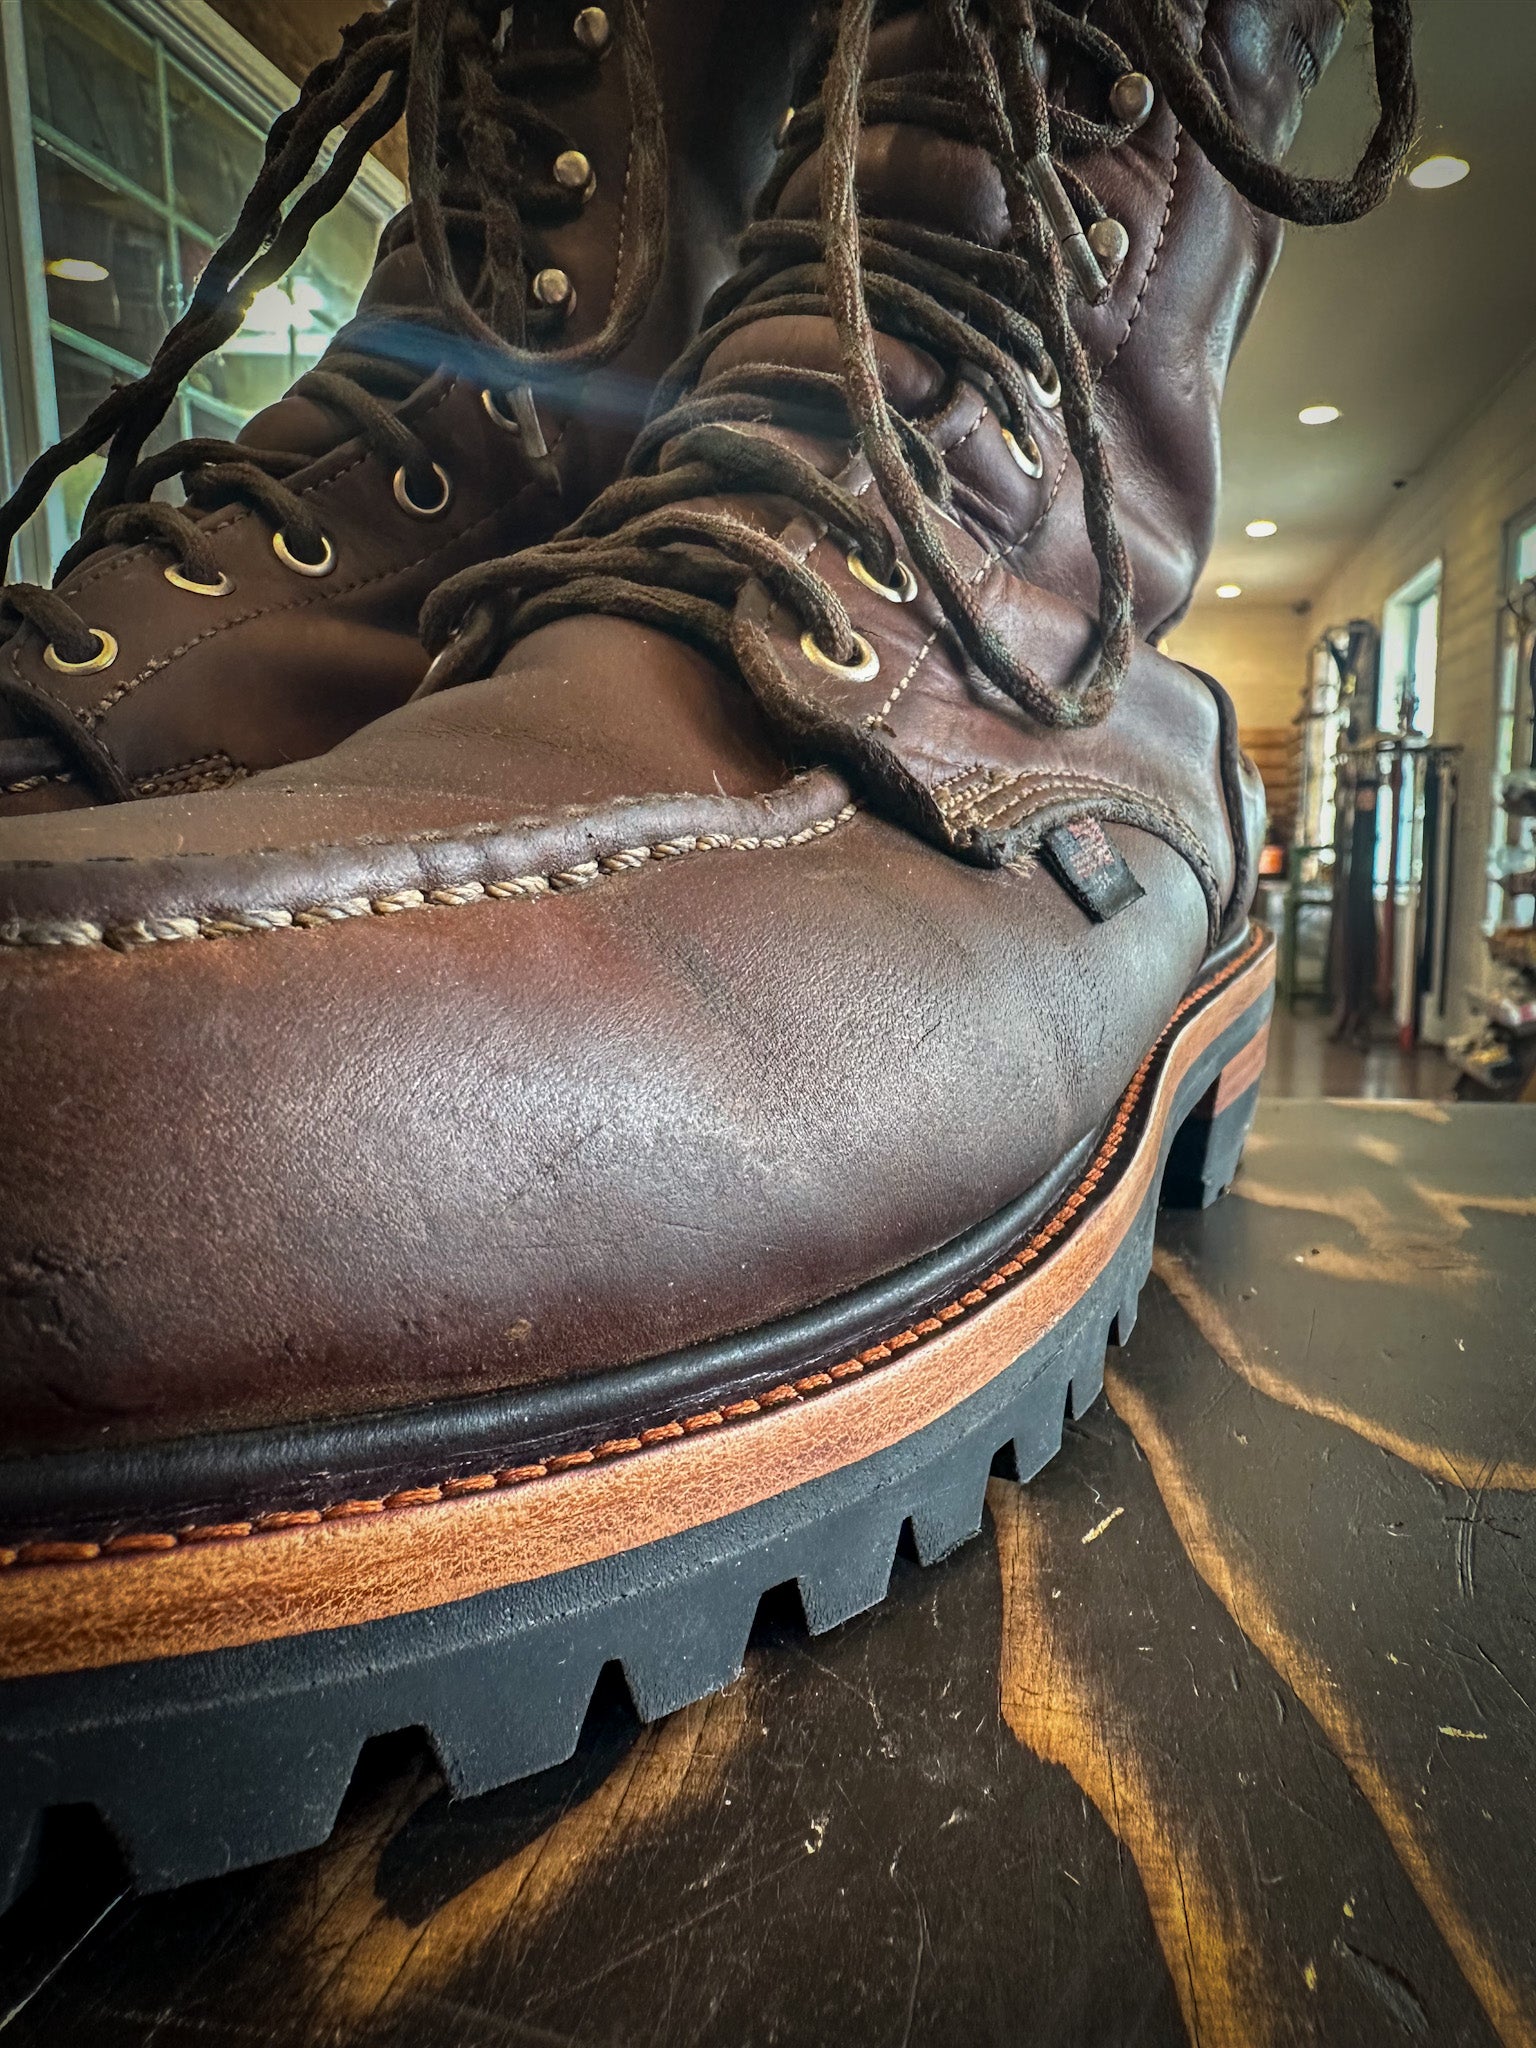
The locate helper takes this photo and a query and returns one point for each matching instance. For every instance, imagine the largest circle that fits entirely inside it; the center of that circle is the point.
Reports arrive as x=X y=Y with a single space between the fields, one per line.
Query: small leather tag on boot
x=1090 y=869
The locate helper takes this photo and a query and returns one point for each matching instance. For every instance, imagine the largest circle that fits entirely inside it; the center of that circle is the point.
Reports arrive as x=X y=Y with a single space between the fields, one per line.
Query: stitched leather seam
x=1007 y=804
x=27 y=1554
x=629 y=172
x=206 y=771
x=314 y=596
x=226 y=516
x=1135 y=313
x=989 y=559
x=151 y=931
x=35 y=684
x=30 y=782
x=479 y=829
x=1157 y=249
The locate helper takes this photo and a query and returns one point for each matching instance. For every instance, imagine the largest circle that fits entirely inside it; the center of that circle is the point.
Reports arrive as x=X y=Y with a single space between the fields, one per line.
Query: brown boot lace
x=475 y=134
x=999 y=317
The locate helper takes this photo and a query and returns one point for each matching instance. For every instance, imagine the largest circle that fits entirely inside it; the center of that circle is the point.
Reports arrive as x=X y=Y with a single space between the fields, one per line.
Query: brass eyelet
x=552 y=287
x=290 y=560
x=1026 y=453
x=864 y=670
x=1046 y=395
x=222 y=588
x=105 y=655
x=1111 y=243
x=902 y=591
x=407 y=503
x=1132 y=98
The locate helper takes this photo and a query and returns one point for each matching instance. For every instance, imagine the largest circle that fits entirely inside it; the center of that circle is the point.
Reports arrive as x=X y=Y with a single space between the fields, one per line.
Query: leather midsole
x=374 y=1560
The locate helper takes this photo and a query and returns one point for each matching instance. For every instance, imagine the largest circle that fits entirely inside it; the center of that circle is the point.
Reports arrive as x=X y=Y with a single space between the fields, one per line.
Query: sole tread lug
x=951 y=1510
x=852 y=1572
x=700 y=1654
x=495 y=1732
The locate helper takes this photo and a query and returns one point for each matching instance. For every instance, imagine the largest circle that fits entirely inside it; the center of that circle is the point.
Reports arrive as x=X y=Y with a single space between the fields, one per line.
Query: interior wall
x=1456 y=509
x=1259 y=652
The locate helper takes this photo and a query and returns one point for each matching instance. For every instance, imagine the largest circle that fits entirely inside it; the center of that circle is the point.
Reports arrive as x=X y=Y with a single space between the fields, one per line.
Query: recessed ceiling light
x=1436 y=172
x=1260 y=529
x=77 y=270
x=1318 y=415
x=1229 y=590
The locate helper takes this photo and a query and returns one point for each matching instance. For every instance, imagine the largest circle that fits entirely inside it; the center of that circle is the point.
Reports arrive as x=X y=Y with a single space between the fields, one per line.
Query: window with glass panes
x=1513 y=845
x=142 y=158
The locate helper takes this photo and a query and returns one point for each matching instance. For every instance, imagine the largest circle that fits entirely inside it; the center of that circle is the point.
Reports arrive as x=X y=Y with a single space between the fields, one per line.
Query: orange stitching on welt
x=131 y=1543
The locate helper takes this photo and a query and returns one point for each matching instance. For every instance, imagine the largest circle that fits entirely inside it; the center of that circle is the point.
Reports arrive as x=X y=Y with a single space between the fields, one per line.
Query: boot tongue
x=905 y=172
x=397 y=294
x=294 y=426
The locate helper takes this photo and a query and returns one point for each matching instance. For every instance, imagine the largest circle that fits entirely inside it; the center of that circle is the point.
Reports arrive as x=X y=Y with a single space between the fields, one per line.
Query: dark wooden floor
x=1223 y=1731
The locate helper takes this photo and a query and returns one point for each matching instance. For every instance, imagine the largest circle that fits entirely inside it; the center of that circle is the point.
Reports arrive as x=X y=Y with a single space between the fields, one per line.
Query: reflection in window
x=214 y=154
x=141 y=169
x=93 y=80
x=106 y=260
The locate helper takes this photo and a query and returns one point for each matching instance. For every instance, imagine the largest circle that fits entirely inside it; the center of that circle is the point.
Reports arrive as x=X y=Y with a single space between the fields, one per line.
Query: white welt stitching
x=152 y=931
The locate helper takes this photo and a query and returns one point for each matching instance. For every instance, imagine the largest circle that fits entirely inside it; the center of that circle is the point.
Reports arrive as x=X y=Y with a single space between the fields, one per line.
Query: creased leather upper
x=602 y=1006
x=528 y=1087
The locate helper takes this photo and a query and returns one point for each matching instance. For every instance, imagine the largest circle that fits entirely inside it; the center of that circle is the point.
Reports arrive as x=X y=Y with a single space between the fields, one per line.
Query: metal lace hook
x=1047 y=187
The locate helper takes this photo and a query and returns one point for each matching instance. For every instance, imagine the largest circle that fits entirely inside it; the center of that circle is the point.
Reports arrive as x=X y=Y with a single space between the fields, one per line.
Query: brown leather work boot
x=642 y=1126
x=503 y=355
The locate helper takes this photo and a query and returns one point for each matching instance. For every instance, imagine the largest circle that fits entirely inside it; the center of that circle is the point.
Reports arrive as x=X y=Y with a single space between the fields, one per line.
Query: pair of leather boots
x=521 y=1138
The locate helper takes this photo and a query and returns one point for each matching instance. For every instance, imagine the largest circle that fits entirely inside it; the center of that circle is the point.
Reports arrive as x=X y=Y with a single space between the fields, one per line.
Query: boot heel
x=1204 y=1156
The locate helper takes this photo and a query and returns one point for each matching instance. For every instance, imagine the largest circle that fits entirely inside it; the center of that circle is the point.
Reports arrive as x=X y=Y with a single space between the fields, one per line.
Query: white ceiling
x=1406 y=321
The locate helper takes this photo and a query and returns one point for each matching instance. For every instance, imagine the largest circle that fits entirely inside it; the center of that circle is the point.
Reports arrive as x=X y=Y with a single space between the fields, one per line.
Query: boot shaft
x=1195 y=260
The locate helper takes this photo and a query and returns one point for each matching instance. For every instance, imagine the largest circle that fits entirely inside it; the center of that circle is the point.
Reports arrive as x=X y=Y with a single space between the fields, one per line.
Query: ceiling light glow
x=1260 y=529
x=1229 y=590
x=1318 y=415
x=1436 y=172
x=77 y=270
